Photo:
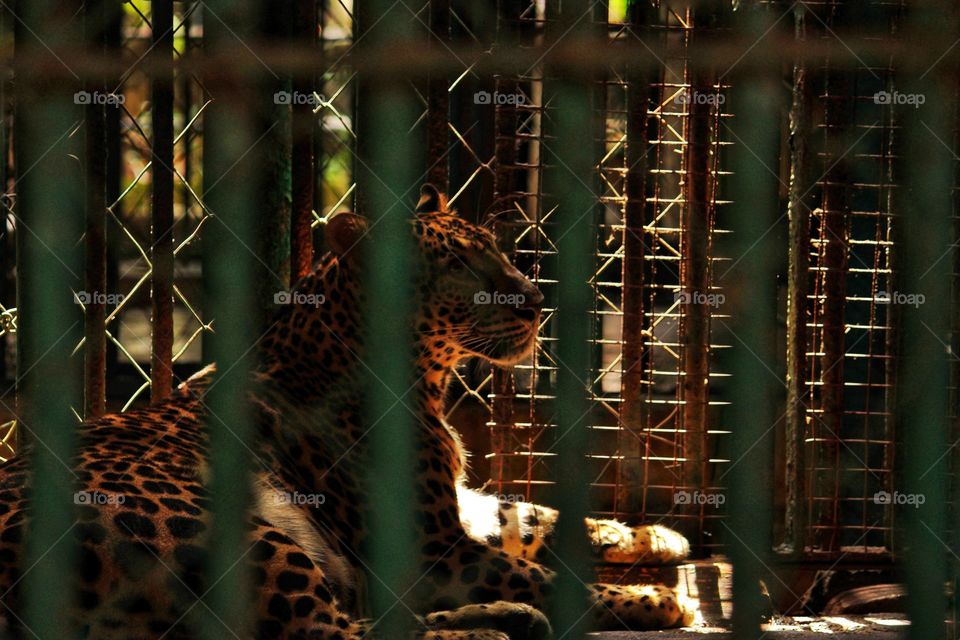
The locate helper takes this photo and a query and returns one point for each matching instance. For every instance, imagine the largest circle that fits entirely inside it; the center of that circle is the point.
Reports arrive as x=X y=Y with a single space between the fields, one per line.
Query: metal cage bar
x=751 y=386
x=924 y=264
x=162 y=240
x=230 y=189
x=97 y=19
x=798 y=264
x=49 y=218
x=569 y=161
x=389 y=181
x=303 y=169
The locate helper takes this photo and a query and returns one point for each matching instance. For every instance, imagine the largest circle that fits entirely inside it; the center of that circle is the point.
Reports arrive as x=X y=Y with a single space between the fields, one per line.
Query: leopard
x=144 y=528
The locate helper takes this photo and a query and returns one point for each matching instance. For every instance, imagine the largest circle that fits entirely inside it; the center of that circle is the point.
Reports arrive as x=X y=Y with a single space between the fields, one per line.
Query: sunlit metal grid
x=656 y=441
x=639 y=464
x=519 y=445
x=853 y=308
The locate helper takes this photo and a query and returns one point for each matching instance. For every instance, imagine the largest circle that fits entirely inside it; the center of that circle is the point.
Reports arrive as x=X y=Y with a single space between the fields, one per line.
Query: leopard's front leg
x=461 y=571
x=458 y=571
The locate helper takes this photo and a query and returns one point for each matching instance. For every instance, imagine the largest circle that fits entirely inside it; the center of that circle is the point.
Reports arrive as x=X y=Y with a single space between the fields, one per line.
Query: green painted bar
x=923 y=259
x=50 y=223
x=570 y=182
x=750 y=285
x=387 y=183
x=229 y=289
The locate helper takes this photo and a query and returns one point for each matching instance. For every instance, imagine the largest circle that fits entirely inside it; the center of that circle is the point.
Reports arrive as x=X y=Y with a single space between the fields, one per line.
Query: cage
x=737 y=213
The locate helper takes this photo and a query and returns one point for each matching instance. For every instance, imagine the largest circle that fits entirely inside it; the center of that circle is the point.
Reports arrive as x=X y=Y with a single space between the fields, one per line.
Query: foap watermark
x=298 y=297
x=895 y=97
x=688 y=96
x=511 y=498
x=297 y=498
x=486 y=97
x=699 y=498
x=912 y=499
x=97 y=498
x=495 y=297
x=297 y=97
x=99 y=98
x=700 y=297
x=98 y=297
x=895 y=297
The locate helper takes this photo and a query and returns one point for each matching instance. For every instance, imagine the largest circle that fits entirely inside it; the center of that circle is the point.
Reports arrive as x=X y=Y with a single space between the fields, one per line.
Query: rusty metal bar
x=647 y=51
x=695 y=270
x=797 y=290
x=114 y=176
x=834 y=233
x=7 y=251
x=507 y=183
x=303 y=170
x=438 y=101
x=161 y=249
x=96 y=23
x=635 y=352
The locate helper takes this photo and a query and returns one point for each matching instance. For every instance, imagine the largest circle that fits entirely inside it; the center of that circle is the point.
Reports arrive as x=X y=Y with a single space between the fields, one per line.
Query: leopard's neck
x=312 y=361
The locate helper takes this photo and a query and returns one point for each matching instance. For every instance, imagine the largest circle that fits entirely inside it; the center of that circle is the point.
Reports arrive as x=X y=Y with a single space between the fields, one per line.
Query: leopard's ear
x=345 y=231
x=432 y=200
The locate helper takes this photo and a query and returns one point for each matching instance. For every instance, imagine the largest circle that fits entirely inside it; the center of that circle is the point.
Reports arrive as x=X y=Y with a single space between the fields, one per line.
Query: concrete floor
x=869 y=627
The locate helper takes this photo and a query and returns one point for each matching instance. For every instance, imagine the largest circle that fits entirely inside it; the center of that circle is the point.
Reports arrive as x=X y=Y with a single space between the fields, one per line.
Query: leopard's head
x=470 y=298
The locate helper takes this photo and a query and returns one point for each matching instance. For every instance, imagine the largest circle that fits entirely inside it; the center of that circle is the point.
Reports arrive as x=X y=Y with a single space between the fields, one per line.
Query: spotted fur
x=143 y=545
x=525 y=530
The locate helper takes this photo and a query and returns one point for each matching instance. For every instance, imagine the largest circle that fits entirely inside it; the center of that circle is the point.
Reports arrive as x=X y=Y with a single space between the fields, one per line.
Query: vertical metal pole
x=507 y=183
x=50 y=221
x=834 y=233
x=751 y=284
x=228 y=272
x=924 y=257
x=7 y=252
x=797 y=290
x=303 y=169
x=635 y=351
x=113 y=38
x=438 y=101
x=695 y=270
x=571 y=161
x=161 y=254
x=954 y=488
x=275 y=148
x=96 y=24
x=387 y=180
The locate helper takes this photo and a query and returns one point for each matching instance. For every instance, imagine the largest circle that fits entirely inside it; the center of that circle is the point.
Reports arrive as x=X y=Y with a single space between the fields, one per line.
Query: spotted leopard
x=142 y=557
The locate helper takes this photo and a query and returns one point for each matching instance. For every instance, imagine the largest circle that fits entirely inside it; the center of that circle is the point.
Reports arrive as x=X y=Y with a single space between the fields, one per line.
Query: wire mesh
x=646 y=462
x=853 y=306
x=657 y=451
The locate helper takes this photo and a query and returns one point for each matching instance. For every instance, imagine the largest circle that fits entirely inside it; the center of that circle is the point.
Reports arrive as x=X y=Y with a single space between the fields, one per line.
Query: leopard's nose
x=532 y=298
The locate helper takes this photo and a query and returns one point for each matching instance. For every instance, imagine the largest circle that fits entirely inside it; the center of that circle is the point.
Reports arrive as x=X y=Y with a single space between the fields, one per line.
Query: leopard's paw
x=653 y=544
x=476 y=634
x=641 y=608
x=518 y=621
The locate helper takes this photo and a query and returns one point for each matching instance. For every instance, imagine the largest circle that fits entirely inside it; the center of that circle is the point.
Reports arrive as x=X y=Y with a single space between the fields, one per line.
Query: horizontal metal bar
x=572 y=54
